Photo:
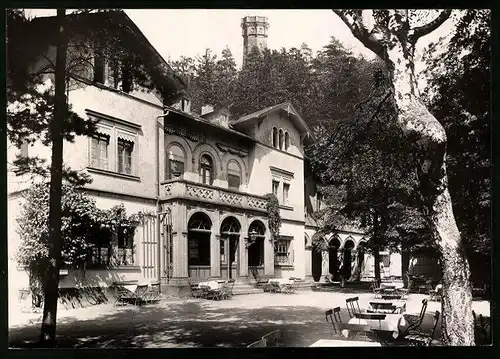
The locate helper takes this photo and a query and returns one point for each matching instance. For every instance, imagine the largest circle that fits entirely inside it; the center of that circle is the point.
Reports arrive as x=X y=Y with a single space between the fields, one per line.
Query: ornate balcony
x=210 y=194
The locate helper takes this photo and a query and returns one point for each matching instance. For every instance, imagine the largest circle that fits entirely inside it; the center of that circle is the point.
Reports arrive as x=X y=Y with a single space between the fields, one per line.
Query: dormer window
x=99 y=67
x=281 y=139
x=287 y=140
x=185 y=105
x=206 y=169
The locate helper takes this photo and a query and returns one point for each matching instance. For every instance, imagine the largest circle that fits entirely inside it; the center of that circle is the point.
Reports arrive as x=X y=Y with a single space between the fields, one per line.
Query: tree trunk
x=51 y=282
x=376 y=260
x=430 y=139
x=405 y=264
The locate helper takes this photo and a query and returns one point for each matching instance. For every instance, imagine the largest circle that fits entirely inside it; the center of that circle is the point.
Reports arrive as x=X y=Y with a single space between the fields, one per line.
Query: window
x=206 y=169
x=185 y=105
x=276 y=185
x=319 y=199
x=287 y=140
x=125 y=149
x=175 y=162
x=281 y=139
x=101 y=251
x=282 y=254
x=99 y=151
x=233 y=175
x=286 y=189
x=125 y=251
x=126 y=78
x=275 y=137
x=223 y=251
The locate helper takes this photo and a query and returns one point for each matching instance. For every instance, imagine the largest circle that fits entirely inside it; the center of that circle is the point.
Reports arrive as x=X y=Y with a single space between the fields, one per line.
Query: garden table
x=377 y=305
x=394 y=323
x=343 y=343
x=213 y=284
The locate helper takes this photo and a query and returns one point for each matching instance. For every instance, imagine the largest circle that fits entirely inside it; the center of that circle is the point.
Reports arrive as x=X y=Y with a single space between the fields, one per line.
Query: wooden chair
x=274 y=338
x=421 y=338
x=352 y=304
x=195 y=290
x=209 y=293
x=435 y=294
x=258 y=344
x=414 y=321
x=140 y=295
x=376 y=289
x=333 y=316
x=382 y=308
x=227 y=289
x=358 y=332
x=123 y=296
x=403 y=292
x=153 y=294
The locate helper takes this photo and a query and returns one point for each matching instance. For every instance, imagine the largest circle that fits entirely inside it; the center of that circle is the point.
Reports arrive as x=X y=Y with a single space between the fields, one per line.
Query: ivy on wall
x=273 y=217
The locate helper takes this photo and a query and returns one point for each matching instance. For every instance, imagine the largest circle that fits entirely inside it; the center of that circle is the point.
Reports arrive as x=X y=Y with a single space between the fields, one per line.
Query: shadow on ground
x=187 y=324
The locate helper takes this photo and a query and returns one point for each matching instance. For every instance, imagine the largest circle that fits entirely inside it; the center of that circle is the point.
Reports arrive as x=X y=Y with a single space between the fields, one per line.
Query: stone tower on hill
x=254 y=33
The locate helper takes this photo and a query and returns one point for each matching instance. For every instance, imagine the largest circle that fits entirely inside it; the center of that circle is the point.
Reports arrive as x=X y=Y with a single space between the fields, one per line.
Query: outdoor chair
x=333 y=316
x=24 y=296
x=360 y=332
x=140 y=295
x=377 y=290
x=403 y=292
x=426 y=288
x=123 y=296
x=352 y=304
x=274 y=287
x=153 y=293
x=382 y=308
x=258 y=344
x=227 y=289
x=274 y=338
x=421 y=338
x=209 y=293
x=415 y=321
x=435 y=294
x=195 y=290
x=482 y=329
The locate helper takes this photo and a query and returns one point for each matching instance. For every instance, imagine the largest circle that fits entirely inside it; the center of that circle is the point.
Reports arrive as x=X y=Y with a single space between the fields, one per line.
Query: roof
x=160 y=69
x=285 y=106
x=203 y=121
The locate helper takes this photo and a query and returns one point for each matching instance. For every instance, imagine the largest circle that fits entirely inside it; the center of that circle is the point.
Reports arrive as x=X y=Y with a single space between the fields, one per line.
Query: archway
x=230 y=239
x=199 y=232
x=346 y=265
x=256 y=237
x=316 y=258
x=333 y=267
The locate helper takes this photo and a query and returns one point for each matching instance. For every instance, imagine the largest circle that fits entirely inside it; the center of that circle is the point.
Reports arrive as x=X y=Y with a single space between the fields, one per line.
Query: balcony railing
x=205 y=193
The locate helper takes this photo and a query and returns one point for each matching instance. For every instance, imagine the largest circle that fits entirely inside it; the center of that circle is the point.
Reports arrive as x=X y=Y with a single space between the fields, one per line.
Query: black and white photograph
x=248 y=178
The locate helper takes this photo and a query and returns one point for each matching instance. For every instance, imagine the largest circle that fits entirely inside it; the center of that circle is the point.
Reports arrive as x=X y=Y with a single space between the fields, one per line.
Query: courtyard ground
x=204 y=323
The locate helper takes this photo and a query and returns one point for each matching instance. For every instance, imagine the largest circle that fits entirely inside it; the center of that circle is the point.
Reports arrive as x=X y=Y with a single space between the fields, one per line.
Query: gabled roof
x=298 y=121
x=161 y=71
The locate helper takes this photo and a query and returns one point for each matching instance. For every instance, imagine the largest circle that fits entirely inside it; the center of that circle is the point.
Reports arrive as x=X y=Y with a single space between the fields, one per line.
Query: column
x=215 y=240
x=325 y=263
x=180 y=241
x=268 y=255
x=243 y=250
x=308 y=263
x=215 y=247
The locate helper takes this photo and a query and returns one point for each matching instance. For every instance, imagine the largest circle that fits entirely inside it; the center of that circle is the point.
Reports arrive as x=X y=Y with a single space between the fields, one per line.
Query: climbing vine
x=273 y=217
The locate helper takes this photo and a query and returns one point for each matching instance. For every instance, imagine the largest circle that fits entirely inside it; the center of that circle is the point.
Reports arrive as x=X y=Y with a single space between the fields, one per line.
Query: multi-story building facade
x=203 y=179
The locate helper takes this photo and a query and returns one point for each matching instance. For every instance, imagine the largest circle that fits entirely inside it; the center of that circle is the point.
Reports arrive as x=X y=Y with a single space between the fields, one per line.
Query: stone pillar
x=325 y=263
x=215 y=255
x=268 y=256
x=308 y=263
x=243 y=250
x=180 y=242
x=215 y=246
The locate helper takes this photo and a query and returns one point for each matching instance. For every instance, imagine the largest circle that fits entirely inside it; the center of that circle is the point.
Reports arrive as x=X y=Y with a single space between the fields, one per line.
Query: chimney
x=206 y=109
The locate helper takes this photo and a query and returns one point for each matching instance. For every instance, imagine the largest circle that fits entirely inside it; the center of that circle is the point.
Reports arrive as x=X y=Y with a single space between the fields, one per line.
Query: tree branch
x=423 y=30
x=354 y=22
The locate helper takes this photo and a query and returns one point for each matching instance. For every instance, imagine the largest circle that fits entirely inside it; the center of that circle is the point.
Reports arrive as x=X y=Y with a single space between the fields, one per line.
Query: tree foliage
x=273 y=217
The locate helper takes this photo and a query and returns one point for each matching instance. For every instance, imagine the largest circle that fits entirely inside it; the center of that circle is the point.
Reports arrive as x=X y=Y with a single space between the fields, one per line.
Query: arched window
x=287 y=140
x=206 y=169
x=175 y=162
x=275 y=137
x=281 y=139
x=233 y=175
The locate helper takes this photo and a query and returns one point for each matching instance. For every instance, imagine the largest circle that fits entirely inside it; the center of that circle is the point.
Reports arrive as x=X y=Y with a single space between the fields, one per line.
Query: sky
x=187 y=32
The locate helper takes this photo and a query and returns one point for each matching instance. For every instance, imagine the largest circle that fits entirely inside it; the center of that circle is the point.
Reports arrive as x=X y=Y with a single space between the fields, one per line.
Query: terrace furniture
x=210 y=292
x=414 y=321
x=425 y=287
x=153 y=293
x=131 y=293
x=23 y=297
x=333 y=316
x=258 y=344
x=343 y=343
x=361 y=332
x=391 y=296
x=380 y=322
x=387 y=306
x=227 y=289
x=482 y=329
x=274 y=338
x=352 y=304
x=196 y=291
x=403 y=292
x=376 y=289
x=421 y=338
x=435 y=294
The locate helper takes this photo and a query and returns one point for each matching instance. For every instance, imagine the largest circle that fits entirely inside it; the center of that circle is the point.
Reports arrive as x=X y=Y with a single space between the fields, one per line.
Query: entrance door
x=316 y=264
x=234 y=242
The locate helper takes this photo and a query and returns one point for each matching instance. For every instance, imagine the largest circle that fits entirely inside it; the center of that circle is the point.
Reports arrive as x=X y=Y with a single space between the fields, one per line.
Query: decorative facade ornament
x=182 y=133
x=234 y=151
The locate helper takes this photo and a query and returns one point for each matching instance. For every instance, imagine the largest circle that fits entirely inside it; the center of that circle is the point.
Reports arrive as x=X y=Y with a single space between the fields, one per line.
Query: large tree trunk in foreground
x=390 y=37
x=51 y=283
